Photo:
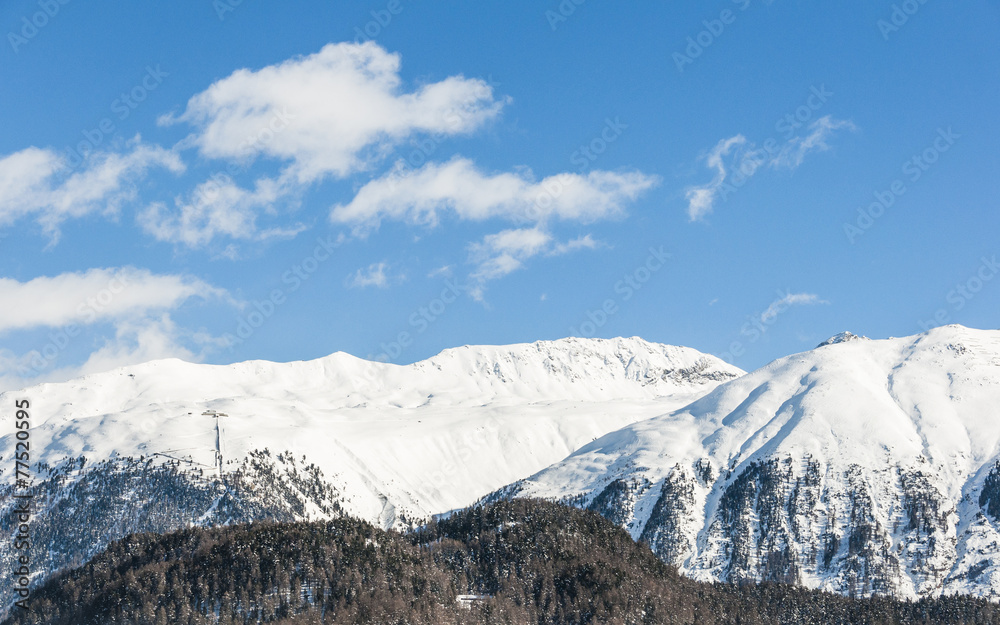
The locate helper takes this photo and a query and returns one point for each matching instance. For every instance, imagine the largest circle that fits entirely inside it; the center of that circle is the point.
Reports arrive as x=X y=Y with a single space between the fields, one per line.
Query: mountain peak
x=843 y=337
x=883 y=455
x=404 y=433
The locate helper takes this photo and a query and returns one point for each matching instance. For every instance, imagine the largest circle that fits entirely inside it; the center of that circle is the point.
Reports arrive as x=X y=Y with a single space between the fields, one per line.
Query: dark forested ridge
x=78 y=511
x=525 y=561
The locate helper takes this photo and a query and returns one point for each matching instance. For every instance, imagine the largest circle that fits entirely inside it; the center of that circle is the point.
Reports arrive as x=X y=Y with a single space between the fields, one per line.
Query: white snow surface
x=418 y=439
x=925 y=405
x=843 y=337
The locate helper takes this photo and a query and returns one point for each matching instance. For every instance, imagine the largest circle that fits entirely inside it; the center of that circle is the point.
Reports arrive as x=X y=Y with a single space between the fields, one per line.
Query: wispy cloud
x=794 y=152
x=701 y=199
x=374 y=275
x=500 y=254
x=586 y=242
x=778 y=306
x=444 y=270
x=736 y=155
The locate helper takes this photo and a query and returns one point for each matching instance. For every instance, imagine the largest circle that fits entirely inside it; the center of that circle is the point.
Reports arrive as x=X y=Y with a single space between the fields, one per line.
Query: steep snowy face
x=860 y=467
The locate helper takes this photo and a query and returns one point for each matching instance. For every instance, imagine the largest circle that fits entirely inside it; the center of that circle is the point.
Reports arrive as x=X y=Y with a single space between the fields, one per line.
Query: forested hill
x=525 y=561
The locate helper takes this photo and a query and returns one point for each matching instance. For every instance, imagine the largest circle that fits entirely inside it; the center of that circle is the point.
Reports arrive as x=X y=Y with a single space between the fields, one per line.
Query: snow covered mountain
x=166 y=444
x=859 y=467
x=843 y=337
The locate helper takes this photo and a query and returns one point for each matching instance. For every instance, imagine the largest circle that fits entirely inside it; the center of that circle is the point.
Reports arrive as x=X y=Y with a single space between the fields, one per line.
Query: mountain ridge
x=166 y=444
x=860 y=467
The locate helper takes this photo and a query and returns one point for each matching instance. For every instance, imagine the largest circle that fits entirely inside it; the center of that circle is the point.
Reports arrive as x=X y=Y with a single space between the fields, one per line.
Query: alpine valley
x=861 y=467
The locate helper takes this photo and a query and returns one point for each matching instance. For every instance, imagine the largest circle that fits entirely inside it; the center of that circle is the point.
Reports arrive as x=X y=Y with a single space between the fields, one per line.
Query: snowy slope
x=417 y=439
x=859 y=467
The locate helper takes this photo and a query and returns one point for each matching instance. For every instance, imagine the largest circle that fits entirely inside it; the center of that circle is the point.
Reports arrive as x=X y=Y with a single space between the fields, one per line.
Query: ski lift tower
x=218 y=436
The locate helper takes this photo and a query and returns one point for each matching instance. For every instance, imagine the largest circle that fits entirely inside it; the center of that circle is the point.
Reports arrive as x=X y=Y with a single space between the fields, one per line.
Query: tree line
x=524 y=561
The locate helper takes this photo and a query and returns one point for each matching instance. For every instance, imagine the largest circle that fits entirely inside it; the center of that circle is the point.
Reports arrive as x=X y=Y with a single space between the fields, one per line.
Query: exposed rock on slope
x=860 y=467
x=170 y=444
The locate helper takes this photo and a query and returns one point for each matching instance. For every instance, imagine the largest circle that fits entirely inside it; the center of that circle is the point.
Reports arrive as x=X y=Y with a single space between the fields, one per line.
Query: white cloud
x=333 y=112
x=444 y=270
x=25 y=175
x=135 y=341
x=38 y=183
x=778 y=306
x=374 y=275
x=503 y=253
x=426 y=195
x=500 y=254
x=747 y=159
x=136 y=302
x=217 y=208
x=459 y=187
x=94 y=296
x=585 y=242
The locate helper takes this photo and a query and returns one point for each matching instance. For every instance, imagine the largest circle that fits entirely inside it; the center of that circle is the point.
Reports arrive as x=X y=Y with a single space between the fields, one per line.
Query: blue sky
x=224 y=181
